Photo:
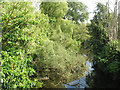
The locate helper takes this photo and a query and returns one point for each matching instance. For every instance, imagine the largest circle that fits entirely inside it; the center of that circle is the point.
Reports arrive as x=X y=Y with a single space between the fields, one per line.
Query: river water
x=81 y=83
x=100 y=80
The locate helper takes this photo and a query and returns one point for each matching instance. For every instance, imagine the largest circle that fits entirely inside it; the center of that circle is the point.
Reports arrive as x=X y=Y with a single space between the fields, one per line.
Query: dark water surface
x=94 y=78
x=101 y=80
x=98 y=80
x=81 y=83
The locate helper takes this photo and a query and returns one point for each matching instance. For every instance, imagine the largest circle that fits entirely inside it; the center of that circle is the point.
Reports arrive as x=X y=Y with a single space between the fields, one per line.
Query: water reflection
x=77 y=84
x=81 y=83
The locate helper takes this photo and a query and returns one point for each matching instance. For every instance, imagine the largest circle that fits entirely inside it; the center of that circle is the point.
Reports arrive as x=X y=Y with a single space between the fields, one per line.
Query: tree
x=54 y=9
x=81 y=33
x=77 y=12
x=106 y=54
x=119 y=26
x=97 y=29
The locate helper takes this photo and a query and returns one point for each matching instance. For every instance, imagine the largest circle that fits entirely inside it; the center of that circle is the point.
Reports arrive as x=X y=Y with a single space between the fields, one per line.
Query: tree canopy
x=54 y=9
x=77 y=12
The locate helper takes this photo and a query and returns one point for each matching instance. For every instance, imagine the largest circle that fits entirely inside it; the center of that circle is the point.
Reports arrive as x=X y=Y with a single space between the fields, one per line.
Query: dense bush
x=33 y=45
x=16 y=64
x=16 y=68
x=56 y=51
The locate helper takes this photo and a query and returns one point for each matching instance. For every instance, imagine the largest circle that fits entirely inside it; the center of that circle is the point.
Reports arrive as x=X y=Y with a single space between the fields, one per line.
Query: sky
x=91 y=4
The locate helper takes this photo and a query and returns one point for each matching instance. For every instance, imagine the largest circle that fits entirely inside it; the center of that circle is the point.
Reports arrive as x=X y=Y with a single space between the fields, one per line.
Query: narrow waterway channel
x=94 y=78
x=81 y=83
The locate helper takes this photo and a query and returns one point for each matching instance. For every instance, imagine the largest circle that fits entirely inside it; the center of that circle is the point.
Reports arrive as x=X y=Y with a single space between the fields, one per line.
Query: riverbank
x=99 y=79
x=81 y=83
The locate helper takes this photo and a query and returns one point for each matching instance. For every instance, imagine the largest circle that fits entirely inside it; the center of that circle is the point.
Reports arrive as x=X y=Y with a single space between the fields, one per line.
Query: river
x=81 y=83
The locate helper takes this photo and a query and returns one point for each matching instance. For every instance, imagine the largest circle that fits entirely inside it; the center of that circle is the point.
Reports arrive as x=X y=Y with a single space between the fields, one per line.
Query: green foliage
x=114 y=68
x=67 y=26
x=118 y=44
x=97 y=29
x=16 y=69
x=40 y=41
x=81 y=33
x=54 y=55
x=77 y=12
x=56 y=51
x=109 y=55
x=54 y=9
x=16 y=63
x=14 y=19
x=106 y=53
x=99 y=37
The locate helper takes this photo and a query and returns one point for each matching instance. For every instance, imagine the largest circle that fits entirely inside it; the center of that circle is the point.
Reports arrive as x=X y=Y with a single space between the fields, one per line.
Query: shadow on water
x=55 y=82
x=100 y=80
x=81 y=83
x=94 y=79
